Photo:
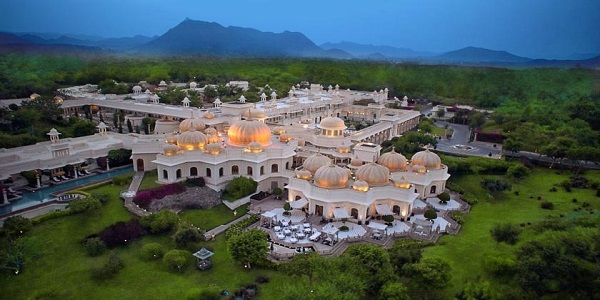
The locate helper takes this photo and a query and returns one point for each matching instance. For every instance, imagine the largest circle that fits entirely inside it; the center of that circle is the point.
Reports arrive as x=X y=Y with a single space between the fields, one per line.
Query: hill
x=481 y=55
x=375 y=51
x=199 y=37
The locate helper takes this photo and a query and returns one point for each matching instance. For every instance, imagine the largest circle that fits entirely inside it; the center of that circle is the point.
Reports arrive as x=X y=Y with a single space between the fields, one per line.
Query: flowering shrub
x=121 y=233
x=145 y=197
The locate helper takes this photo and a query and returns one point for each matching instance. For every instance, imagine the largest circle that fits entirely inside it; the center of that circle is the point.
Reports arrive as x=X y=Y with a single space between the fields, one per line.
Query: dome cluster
x=188 y=124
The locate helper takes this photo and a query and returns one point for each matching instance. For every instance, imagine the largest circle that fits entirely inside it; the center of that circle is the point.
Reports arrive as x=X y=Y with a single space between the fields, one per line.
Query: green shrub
x=109 y=269
x=152 y=251
x=51 y=215
x=162 y=221
x=469 y=198
x=547 y=205
x=121 y=180
x=430 y=214
x=187 y=234
x=499 y=265
x=84 y=205
x=238 y=227
x=505 y=232
x=94 y=246
x=344 y=228
x=388 y=218
x=17 y=225
x=444 y=197
x=457 y=216
x=211 y=292
x=240 y=187
x=177 y=260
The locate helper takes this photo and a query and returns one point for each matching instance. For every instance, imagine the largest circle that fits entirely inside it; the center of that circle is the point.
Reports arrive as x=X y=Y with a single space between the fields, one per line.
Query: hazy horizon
x=530 y=28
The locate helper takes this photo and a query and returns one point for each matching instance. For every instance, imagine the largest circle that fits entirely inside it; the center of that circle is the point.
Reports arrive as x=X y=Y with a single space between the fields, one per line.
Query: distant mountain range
x=191 y=38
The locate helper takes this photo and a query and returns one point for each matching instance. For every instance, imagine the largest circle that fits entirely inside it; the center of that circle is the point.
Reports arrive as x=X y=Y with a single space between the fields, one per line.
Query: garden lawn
x=466 y=251
x=62 y=269
x=208 y=219
x=149 y=180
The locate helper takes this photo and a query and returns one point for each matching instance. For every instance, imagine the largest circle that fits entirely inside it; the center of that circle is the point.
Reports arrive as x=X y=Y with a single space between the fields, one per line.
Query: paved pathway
x=221 y=228
x=134 y=186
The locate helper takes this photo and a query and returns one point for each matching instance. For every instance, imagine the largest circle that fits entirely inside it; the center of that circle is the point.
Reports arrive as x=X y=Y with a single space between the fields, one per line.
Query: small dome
x=284 y=138
x=162 y=83
x=314 y=162
x=255 y=147
x=360 y=185
x=172 y=140
x=213 y=148
x=254 y=114
x=356 y=162
x=393 y=161
x=244 y=132
x=58 y=99
x=34 y=96
x=210 y=131
x=278 y=130
x=170 y=149
x=419 y=169
x=332 y=123
x=331 y=177
x=193 y=85
x=343 y=148
x=374 y=174
x=191 y=140
x=401 y=183
x=53 y=131
x=304 y=174
x=209 y=115
x=427 y=159
x=187 y=124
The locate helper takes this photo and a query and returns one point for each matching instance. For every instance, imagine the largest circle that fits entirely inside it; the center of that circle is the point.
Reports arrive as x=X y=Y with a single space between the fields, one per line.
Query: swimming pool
x=44 y=194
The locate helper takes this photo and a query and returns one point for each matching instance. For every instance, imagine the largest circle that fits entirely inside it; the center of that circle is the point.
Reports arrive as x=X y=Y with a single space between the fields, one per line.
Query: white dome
x=401 y=182
x=332 y=123
x=360 y=185
x=374 y=174
x=245 y=132
x=172 y=140
x=255 y=147
x=191 y=140
x=427 y=159
x=393 y=161
x=303 y=174
x=187 y=124
x=314 y=162
x=193 y=85
x=209 y=115
x=213 y=148
x=331 y=177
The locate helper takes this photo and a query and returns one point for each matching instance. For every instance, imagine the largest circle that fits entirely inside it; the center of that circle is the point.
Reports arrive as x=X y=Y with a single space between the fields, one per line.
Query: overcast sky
x=532 y=28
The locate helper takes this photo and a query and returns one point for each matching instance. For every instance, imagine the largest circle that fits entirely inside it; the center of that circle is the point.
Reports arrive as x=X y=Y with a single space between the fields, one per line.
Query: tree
x=392 y=290
x=476 y=290
x=17 y=225
x=152 y=251
x=83 y=128
x=15 y=254
x=517 y=172
x=304 y=265
x=177 y=260
x=375 y=261
x=109 y=269
x=187 y=234
x=505 y=232
x=241 y=187
x=405 y=252
x=86 y=204
x=249 y=248
x=430 y=214
x=444 y=197
x=494 y=185
x=94 y=246
x=512 y=144
x=277 y=192
x=431 y=273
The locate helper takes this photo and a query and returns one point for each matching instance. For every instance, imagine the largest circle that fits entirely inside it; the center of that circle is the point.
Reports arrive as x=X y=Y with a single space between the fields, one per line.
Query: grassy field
x=61 y=268
x=149 y=180
x=466 y=251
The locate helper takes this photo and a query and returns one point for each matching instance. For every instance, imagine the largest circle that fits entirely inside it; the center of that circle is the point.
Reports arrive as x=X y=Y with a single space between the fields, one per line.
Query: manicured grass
x=466 y=251
x=209 y=219
x=63 y=267
x=149 y=180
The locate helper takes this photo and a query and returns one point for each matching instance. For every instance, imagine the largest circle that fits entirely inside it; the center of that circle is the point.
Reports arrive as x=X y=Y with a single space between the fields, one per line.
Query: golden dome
x=303 y=174
x=187 y=124
x=170 y=149
x=254 y=114
x=172 y=140
x=427 y=159
x=254 y=147
x=244 y=132
x=393 y=161
x=213 y=148
x=331 y=177
x=401 y=183
x=332 y=123
x=419 y=169
x=34 y=96
x=373 y=174
x=210 y=131
x=58 y=99
x=209 y=115
x=278 y=130
x=314 y=162
x=191 y=140
x=284 y=138
x=360 y=185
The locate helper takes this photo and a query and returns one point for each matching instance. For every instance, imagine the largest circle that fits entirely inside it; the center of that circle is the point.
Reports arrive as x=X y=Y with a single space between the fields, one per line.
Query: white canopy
x=340 y=213
x=269 y=214
x=377 y=226
x=314 y=236
x=298 y=204
x=330 y=229
x=383 y=210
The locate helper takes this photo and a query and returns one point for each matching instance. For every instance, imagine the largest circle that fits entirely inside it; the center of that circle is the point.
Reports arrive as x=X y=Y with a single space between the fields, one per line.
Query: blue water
x=44 y=194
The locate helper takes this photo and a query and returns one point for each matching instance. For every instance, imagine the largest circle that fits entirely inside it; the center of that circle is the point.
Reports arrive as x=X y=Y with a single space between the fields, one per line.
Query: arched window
x=354 y=213
x=208 y=172
x=193 y=171
x=396 y=209
x=432 y=190
x=221 y=172
x=165 y=175
x=274 y=168
x=235 y=170
x=262 y=170
x=249 y=171
x=178 y=174
x=287 y=165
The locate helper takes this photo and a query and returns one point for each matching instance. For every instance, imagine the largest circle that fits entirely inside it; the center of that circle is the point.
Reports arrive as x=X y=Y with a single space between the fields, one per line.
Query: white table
x=306 y=225
x=281 y=236
x=300 y=235
x=307 y=230
x=293 y=240
x=287 y=232
x=277 y=228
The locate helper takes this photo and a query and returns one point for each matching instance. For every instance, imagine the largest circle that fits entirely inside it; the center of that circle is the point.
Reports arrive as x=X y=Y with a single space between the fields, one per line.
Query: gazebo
x=202 y=255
